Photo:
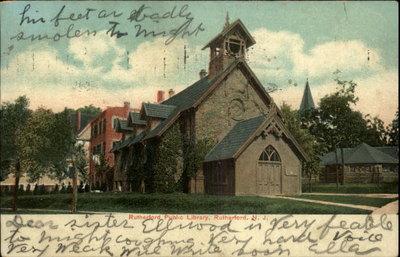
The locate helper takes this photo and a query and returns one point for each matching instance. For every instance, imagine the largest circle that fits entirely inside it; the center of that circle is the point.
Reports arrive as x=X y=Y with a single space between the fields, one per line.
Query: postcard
x=180 y=128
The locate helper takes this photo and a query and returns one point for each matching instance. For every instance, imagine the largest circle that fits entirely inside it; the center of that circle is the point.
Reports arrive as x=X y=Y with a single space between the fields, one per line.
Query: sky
x=294 y=41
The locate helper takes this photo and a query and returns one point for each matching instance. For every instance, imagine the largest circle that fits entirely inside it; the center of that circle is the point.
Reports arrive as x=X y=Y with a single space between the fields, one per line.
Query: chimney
x=171 y=93
x=160 y=96
x=127 y=105
x=78 y=121
x=202 y=73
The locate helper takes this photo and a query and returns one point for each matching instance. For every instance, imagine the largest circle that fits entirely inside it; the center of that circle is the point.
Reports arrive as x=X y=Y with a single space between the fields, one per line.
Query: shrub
x=56 y=189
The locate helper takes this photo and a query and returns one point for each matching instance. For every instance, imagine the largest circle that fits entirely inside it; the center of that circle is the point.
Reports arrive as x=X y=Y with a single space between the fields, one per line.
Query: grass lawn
x=175 y=203
x=384 y=188
x=360 y=200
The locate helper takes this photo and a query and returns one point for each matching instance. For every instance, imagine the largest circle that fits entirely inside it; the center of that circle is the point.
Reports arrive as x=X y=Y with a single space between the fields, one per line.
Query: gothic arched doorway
x=269 y=172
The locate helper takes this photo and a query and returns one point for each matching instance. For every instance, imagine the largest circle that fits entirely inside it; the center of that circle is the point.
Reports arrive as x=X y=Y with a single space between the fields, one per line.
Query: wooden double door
x=269 y=178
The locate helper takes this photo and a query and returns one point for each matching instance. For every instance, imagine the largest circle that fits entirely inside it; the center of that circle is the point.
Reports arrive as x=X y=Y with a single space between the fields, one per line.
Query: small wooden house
x=362 y=164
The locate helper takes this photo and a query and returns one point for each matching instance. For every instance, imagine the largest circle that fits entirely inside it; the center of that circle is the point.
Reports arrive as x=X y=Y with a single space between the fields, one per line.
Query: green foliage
x=63 y=189
x=195 y=155
x=104 y=170
x=69 y=188
x=89 y=110
x=307 y=141
x=393 y=131
x=36 y=189
x=56 y=189
x=13 y=120
x=79 y=162
x=46 y=144
x=336 y=124
x=167 y=169
x=376 y=134
x=137 y=172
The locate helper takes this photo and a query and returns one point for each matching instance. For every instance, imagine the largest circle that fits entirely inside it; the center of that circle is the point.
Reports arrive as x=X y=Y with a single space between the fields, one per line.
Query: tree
x=48 y=146
x=335 y=124
x=105 y=171
x=87 y=114
x=77 y=168
x=376 y=134
x=307 y=141
x=393 y=131
x=13 y=120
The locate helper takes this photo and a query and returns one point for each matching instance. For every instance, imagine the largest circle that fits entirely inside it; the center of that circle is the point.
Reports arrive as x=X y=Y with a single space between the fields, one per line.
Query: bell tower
x=229 y=45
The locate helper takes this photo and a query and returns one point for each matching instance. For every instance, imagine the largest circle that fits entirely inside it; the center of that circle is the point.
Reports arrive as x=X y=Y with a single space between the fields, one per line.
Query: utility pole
x=341 y=152
x=336 y=167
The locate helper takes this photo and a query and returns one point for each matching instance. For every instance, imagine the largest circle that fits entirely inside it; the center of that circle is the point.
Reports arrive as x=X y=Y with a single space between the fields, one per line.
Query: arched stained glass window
x=270 y=155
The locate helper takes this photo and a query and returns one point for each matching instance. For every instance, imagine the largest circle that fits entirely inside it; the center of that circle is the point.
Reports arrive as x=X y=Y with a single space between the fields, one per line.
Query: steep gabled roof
x=128 y=142
x=163 y=126
x=84 y=135
x=122 y=126
x=134 y=119
x=307 y=102
x=195 y=94
x=236 y=25
x=243 y=133
x=236 y=137
x=157 y=110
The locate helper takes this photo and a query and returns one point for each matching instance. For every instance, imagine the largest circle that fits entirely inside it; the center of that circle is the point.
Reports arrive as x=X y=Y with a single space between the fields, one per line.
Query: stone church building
x=222 y=135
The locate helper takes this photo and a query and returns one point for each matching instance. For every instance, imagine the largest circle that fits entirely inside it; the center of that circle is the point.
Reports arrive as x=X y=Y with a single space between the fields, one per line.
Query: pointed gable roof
x=134 y=119
x=307 y=103
x=236 y=137
x=243 y=134
x=122 y=126
x=195 y=94
x=157 y=110
x=238 y=26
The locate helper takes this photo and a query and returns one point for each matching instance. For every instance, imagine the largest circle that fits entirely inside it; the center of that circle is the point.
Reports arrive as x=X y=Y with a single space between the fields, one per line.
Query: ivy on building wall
x=163 y=163
x=136 y=171
x=167 y=164
x=194 y=154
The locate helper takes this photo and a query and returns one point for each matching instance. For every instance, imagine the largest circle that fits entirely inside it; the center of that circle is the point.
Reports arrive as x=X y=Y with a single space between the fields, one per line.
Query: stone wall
x=360 y=174
x=233 y=101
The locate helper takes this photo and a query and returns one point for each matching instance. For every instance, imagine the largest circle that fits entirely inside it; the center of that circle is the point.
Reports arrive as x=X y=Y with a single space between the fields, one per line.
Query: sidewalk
x=390 y=208
x=363 y=195
x=361 y=207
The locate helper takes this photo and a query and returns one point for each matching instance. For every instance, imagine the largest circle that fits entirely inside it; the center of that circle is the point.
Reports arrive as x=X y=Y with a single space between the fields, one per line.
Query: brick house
x=103 y=138
x=222 y=135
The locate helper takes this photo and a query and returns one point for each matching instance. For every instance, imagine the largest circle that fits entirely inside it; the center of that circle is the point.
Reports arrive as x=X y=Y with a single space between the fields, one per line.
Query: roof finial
x=226 y=20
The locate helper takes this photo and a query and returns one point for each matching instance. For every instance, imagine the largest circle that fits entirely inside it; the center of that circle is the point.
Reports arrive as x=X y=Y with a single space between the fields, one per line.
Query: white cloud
x=276 y=51
x=48 y=80
x=345 y=56
x=51 y=82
